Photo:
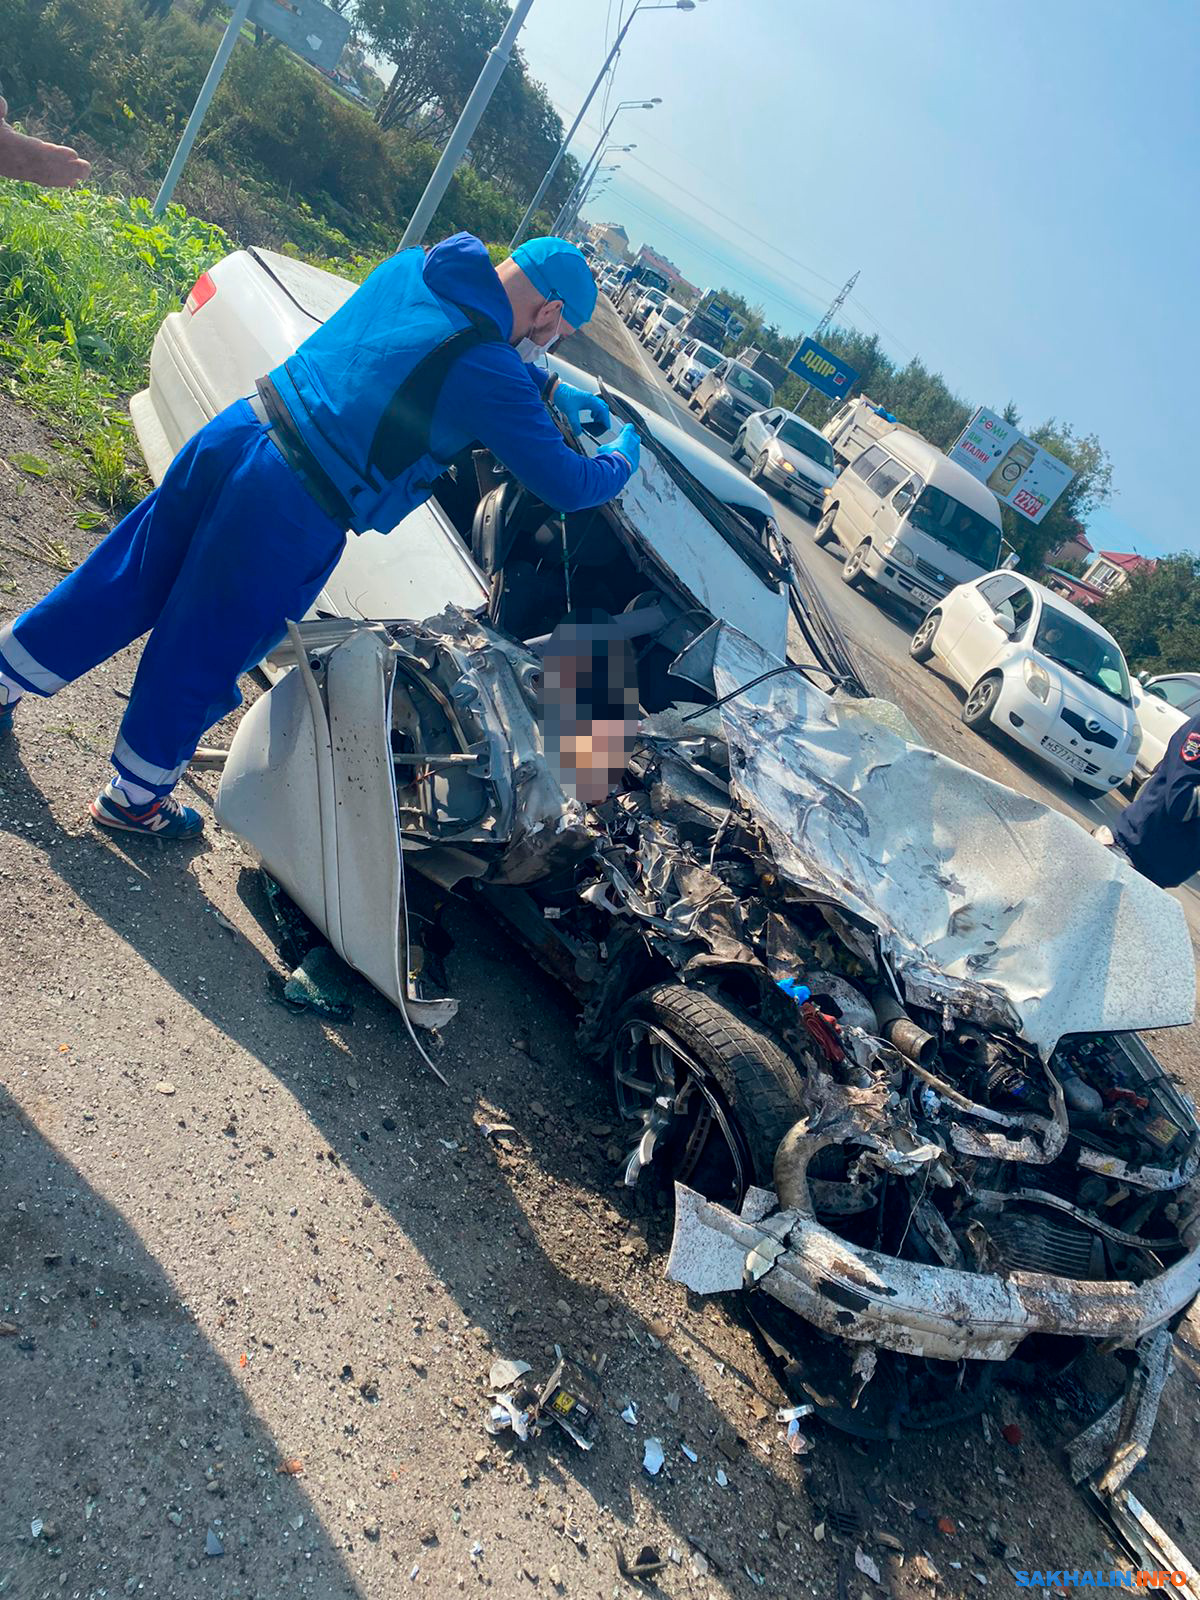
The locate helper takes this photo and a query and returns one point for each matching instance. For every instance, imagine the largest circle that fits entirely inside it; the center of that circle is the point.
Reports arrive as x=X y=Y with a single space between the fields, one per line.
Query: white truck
x=860 y=423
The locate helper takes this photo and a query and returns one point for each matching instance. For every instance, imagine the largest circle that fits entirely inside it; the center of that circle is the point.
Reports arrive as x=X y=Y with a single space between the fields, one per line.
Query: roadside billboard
x=1018 y=472
x=823 y=370
x=313 y=30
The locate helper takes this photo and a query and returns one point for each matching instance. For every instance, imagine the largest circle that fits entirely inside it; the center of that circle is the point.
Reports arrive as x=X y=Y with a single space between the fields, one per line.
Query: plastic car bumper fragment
x=938 y=1312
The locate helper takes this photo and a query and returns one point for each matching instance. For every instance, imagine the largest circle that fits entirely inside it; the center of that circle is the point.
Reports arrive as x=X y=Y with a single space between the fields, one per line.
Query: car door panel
x=977 y=639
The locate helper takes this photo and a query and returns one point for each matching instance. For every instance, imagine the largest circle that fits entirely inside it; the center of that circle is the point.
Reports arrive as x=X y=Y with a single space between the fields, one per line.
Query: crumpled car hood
x=978 y=894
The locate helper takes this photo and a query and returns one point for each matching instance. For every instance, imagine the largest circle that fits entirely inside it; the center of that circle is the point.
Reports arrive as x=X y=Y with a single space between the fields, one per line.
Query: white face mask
x=529 y=349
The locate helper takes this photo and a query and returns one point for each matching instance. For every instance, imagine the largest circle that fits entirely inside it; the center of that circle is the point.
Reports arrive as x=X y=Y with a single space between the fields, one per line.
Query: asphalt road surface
x=877 y=632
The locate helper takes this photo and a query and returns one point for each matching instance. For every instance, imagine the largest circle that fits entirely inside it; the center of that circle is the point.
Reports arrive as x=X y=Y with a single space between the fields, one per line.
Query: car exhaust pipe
x=901 y=1032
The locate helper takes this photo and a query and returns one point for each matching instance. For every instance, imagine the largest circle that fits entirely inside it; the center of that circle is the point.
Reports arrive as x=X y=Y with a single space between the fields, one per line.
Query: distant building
x=1070 y=587
x=1111 y=569
x=611 y=241
x=1076 y=547
x=668 y=269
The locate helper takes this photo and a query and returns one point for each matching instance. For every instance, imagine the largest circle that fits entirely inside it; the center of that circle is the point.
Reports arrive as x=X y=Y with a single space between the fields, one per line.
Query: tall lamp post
x=671 y=5
x=574 y=200
x=593 y=190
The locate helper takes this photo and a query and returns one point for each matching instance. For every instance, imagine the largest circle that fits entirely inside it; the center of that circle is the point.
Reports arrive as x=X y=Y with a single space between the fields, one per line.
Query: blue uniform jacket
x=1160 y=831
x=339 y=387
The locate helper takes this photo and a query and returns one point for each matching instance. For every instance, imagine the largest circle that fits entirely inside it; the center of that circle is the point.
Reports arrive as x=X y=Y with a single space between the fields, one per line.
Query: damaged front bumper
x=937 y=1312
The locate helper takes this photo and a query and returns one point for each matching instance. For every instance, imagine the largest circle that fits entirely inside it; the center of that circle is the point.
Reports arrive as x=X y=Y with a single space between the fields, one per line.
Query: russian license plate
x=1061 y=753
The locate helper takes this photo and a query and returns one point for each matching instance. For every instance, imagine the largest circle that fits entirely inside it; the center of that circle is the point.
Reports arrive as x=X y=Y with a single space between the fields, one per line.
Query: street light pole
x=645 y=105
x=464 y=129
x=207 y=89
x=593 y=189
x=673 y=5
x=569 y=217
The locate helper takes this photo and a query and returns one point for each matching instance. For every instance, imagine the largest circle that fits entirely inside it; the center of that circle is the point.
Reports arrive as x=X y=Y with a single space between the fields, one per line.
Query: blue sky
x=1017 y=183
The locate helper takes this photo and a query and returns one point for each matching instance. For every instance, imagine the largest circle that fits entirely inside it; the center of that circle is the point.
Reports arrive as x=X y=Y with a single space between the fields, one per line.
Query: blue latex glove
x=626 y=444
x=574 y=403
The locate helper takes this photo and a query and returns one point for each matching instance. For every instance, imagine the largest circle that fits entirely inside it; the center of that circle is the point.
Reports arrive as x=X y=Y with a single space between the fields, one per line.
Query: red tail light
x=202 y=292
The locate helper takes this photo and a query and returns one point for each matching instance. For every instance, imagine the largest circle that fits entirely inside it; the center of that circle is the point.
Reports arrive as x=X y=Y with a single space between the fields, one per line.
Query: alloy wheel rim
x=980 y=698
x=648 y=1066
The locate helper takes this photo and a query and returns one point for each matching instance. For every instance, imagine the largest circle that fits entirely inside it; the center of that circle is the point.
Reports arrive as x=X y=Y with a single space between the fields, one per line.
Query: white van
x=911 y=522
x=659 y=324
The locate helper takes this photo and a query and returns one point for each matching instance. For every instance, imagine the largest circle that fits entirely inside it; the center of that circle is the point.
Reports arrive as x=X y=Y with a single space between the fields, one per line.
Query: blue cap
x=559 y=271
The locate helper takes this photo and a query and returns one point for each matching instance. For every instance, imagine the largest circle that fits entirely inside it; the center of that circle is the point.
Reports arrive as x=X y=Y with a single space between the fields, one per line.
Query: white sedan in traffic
x=1163 y=705
x=1040 y=671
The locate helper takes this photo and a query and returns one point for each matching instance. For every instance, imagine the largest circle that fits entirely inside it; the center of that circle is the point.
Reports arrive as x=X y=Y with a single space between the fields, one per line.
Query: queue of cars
x=916 y=526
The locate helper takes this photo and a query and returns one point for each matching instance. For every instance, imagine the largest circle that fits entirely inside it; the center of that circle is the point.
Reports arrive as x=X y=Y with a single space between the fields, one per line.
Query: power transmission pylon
x=835 y=306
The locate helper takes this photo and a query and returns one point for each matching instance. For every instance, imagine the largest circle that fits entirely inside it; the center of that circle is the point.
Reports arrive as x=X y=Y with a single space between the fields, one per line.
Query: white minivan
x=660 y=323
x=910 y=521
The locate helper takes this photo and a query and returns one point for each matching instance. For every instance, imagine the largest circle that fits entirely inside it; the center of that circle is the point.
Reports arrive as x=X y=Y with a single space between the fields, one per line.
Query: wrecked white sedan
x=870 y=1011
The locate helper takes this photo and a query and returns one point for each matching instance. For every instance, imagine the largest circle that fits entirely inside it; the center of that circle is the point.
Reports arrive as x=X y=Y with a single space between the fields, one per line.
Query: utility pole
x=207 y=89
x=456 y=147
x=548 y=179
x=835 y=304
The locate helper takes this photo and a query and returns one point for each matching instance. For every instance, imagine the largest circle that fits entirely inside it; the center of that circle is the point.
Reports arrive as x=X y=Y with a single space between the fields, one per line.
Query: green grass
x=85 y=281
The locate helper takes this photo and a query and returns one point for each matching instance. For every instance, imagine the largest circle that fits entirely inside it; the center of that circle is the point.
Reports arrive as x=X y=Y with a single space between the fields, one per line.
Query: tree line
x=283 y=158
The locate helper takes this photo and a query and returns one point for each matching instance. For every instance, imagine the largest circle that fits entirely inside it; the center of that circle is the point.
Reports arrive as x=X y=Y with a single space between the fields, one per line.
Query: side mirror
x=1010 y=561
x=1007 y=625
x=902 y=500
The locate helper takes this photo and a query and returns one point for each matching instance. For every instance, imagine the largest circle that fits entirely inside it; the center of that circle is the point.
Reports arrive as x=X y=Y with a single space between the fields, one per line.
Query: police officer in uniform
x=1159 y=833
x=431 y=354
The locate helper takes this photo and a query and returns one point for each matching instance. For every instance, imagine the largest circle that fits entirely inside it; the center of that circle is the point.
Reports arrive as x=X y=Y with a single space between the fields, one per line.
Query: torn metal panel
x=952 y=869
x=309 y=788
x=916 y=1309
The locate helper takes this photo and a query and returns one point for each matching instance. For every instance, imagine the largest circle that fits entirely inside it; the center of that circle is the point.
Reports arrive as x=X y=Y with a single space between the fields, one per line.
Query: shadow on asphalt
x=111 y=1393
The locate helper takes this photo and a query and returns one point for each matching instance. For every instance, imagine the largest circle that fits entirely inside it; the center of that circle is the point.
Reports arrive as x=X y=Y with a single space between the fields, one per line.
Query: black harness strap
x=402 y=436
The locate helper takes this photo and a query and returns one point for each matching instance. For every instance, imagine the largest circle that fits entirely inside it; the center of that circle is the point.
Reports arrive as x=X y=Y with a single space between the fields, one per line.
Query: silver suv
x=728 y=395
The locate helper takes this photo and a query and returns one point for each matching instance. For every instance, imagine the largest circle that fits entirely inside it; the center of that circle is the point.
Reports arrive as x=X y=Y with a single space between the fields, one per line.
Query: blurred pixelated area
x=590 y=705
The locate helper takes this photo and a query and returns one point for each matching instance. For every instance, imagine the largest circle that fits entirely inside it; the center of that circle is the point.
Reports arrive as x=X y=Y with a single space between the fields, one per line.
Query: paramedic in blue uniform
x=430 y=355
x=1159 y=832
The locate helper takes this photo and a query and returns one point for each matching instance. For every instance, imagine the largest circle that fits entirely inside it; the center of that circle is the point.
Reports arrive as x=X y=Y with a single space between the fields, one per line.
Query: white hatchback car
x=1039 y=670
x=1163 y=705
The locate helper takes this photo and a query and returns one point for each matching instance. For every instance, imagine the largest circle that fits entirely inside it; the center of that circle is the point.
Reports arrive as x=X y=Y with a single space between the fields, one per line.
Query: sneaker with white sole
x=162 y=819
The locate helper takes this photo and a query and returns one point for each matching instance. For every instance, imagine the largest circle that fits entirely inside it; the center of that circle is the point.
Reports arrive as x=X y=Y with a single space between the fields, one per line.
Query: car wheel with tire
x=823 y=532
x=759 y=469
x=709 y=1093
x=852 y=569
x=737 y=449
x=980 y=703
x=920 y=646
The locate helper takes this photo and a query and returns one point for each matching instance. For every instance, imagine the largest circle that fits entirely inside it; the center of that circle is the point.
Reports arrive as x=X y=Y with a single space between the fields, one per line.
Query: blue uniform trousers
x=212 y=564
